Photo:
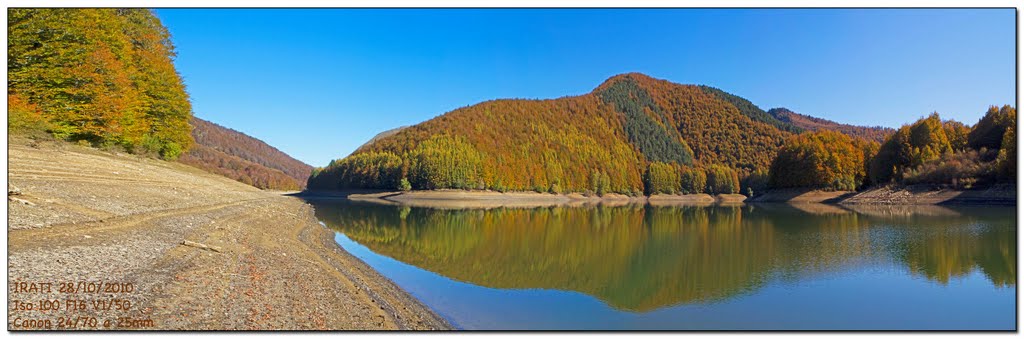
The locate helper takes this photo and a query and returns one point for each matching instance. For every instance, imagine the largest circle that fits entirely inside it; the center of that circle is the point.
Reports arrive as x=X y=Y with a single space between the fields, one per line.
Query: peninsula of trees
x=638 y=135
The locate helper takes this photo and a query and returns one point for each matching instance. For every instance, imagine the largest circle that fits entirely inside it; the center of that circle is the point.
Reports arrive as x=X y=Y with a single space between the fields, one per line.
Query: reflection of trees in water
x=641 y=258
x=943 y=246
x=943 y=243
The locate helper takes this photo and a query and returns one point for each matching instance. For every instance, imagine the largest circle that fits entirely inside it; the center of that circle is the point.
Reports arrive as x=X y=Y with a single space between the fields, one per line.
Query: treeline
x=98 y=76
x=241 y=157
x=665 y=178
x=928 y=151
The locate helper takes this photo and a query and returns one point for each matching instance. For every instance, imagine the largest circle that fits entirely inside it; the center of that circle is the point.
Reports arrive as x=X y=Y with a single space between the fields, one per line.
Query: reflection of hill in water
x=642 y=258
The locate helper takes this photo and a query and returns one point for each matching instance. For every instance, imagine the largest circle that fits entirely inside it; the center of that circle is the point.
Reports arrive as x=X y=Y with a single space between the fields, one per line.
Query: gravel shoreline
x=198 y=251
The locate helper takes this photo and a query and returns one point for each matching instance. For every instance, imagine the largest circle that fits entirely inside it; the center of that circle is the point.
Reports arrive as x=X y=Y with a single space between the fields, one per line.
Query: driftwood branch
x=201 y=246
x=20 y=201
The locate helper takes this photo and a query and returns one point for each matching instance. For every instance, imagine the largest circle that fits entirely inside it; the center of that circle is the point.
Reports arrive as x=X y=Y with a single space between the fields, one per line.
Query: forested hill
x=810 y=123
x=241 y=157
x=635 y=135
x=600 y=141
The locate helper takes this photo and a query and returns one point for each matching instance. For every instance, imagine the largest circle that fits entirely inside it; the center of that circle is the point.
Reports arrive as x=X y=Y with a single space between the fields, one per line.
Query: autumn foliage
x=911 y=146
x=637 y=134
x=827 y=160
x=601 y=142
x=102 y=76
x=24 y=117
x=931 y=151
x=928 y=151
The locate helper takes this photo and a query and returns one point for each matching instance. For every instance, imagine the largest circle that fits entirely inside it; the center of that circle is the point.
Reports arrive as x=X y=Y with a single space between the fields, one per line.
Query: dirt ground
x=999 y=195
x=81 y=219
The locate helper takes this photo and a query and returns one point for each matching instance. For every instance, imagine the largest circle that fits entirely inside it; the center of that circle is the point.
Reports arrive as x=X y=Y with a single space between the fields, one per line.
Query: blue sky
x=317 y=83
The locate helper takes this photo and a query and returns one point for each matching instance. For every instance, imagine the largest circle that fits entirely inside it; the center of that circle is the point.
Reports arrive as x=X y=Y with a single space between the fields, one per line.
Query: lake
x=749 y=267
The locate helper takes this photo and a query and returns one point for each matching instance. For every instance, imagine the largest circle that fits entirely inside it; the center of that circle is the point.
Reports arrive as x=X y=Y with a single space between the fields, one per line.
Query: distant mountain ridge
x=241 y=157
x=810 y=123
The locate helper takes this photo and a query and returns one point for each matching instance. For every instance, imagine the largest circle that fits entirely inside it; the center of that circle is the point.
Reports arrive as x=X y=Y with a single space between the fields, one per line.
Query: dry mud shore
x=459 y=199
x=197 y=251
x=998 y=195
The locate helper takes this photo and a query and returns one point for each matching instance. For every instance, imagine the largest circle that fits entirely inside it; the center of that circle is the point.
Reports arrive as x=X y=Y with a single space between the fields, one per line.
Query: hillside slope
x=241 y=157
x=600 y=141
x=810 y=123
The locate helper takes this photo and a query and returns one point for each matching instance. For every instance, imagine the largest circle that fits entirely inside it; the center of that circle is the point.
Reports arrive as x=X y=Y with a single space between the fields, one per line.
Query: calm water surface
x=742 y=267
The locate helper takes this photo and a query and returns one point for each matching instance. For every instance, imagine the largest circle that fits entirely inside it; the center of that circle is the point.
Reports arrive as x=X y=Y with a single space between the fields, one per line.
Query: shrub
x=171 y=151
x=957 y=170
